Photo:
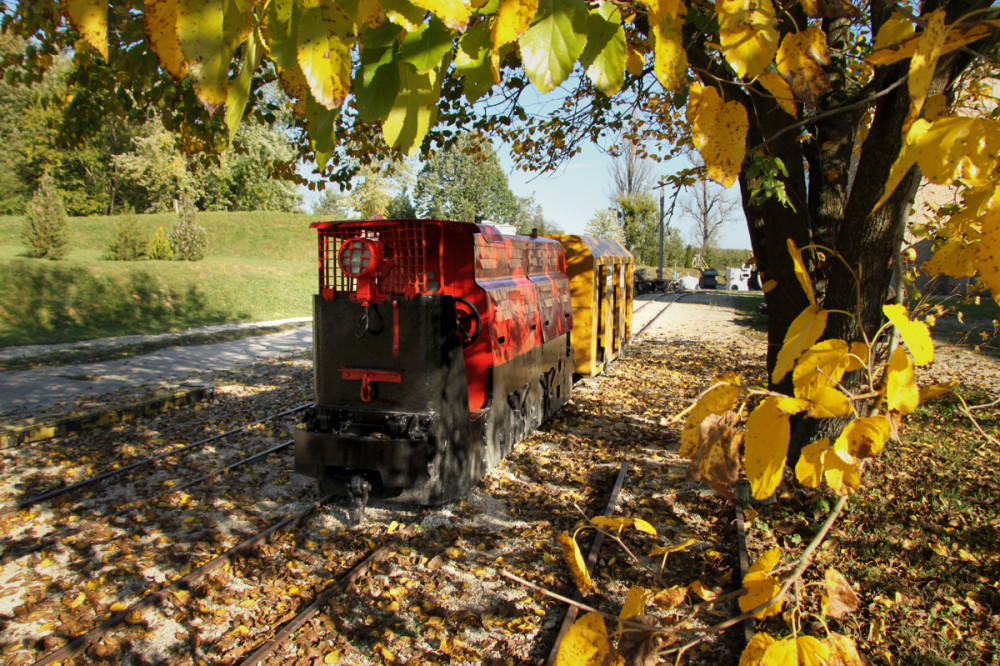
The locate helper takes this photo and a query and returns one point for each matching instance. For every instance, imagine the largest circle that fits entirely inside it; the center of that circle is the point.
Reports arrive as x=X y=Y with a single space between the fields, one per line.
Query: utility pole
x=659 y=266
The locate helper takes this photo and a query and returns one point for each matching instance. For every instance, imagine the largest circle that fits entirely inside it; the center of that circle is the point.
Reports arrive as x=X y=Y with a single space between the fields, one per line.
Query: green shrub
x=159 y=248
x=45 y=232
x=188 y=240
x=127 y=242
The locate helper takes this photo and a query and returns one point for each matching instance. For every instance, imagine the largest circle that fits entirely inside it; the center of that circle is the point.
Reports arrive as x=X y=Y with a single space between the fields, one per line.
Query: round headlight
x=359 y=257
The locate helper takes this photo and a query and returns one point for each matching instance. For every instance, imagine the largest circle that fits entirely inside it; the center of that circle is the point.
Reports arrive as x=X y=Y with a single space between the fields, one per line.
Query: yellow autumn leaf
x=802 y=334
x=90 y=18
x=936 y=107
x=828 y=402
x=901 y=392
x=670 y=61
x=635 y=603
x=585 y=644
x=956 y=38
x=935 y=391
x=791 y=405
x=947 y=149
x=777 y=86
x=760 y=588
x=512 y=19
x=939 y=549
x=839 y=599
x=332 y=657
x=988 y=258
x=820 y=366
x=843 y=477
x=664 y=550
x=916 y=336
x=717 y=400
x=670 y=598
x=644 y=526
x=811 y=651
x=864 y=437
x=324 y=52
x=719 y=131
x=923 y=63
x=801 y=273
x=809 y=468
x=858 y=357
x=574 y=558
x=755 y=649
x=841 y=651
x=766 y=447
x=766 y=561
x=769 y=286
x=800 y=61
x=705 y=593
x=897 y=29
x=634 y=62
x=76 y=601
x=453 y=13
x=612 y=523
x=748 y=33
x=118 y=607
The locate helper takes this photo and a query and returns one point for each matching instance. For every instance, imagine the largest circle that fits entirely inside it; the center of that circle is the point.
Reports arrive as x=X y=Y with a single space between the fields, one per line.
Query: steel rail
x=339 y=587
x=56 y=492
x=49 y=540
x=76 y=646
x=595 y=549
x=657 y=316
x=647 y=302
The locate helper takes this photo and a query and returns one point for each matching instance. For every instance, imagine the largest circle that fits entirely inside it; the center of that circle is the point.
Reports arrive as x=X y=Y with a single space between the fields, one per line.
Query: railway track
x=170 y=590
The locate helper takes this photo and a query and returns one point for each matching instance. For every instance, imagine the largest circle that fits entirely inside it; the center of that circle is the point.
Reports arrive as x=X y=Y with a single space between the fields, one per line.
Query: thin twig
x=582 y=606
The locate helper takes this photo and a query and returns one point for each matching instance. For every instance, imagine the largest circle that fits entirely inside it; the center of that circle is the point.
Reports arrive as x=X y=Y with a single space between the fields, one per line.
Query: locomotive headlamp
x=360 y=257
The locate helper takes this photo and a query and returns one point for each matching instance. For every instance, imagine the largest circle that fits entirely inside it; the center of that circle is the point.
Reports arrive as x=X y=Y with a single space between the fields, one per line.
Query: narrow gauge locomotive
x=439 y=345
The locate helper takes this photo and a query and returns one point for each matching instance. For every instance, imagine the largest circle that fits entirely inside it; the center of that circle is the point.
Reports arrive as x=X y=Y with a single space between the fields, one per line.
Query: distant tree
x=372 y=189
x=604 y=224
x=637 y=216
x=252 y=175
x=159 y=247
x=400 y=207
x=45 y=232
x=156 y=170
x=530 y=217
x=710 y=210
x=331 y=203
x=127 y=242
x=635 y=207
x=188 y=240
x=466 y=180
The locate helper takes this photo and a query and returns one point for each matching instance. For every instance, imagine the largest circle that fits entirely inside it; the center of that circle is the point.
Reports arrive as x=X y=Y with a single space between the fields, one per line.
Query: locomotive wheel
x=469 y=321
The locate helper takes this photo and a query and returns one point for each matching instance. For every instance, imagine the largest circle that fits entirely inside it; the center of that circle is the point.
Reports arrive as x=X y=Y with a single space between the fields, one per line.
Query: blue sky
x=582 y=186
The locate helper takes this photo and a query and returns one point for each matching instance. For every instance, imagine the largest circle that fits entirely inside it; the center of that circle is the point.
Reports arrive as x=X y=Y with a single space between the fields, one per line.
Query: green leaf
x=606 y=52
x=426 y=47
x=551 y=46
x=376 y=82
x=414 y=110
x=403 y=13
x=239 y=92
x=472 y=59
x=319 y=125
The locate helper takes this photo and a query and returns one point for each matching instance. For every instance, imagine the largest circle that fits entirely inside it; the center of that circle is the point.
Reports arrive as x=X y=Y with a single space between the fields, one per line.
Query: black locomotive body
x=437 y=347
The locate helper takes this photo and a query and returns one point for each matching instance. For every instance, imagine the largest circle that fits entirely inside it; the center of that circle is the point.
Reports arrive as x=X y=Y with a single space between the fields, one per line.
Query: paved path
x=49 y=387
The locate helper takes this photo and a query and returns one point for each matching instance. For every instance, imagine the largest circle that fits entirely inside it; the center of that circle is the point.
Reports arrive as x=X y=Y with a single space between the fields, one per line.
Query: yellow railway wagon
x=600 y=282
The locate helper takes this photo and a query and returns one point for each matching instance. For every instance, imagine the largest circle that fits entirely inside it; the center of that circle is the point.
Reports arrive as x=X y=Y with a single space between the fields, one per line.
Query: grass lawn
x=259 y=266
